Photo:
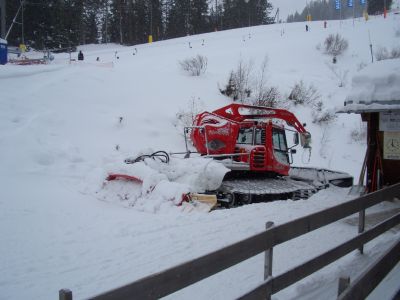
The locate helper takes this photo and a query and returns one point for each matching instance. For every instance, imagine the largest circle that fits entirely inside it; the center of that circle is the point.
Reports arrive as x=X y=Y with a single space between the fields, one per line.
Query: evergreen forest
x=62 y=24
x=326 y=9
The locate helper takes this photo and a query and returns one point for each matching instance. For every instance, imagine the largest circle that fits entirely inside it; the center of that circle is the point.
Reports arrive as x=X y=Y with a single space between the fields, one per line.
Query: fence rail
x=178 y=277
x=278 y=283
x=366 y=283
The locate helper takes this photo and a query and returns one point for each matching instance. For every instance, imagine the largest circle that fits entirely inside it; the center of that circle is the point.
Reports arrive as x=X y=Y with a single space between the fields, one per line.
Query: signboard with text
x=338 y=4
x=389 y=121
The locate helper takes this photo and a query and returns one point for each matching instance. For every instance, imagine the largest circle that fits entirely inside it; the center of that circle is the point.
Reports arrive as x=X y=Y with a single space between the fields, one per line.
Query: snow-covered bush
x=239 y=82
x=323 y=117
x=265 y=95
x=361 y=66
x=268 y=96
x=186 y=118
x=231 y=89
x=249 y=86
x=335 y=45
x=359 y=134
x=383 y=53
x=302 y=94
x=195 y=66
x=340 y=74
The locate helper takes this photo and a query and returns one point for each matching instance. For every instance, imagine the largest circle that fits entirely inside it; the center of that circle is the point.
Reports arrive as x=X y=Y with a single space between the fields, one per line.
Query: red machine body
x=250 y=135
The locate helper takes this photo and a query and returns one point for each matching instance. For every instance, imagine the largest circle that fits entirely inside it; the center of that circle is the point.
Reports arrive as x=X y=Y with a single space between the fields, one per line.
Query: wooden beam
x=370 y=279
x=178 y=277
x=305 y=269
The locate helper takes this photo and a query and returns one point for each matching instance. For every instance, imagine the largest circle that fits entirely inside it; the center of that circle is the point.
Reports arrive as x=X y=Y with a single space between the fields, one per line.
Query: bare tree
x=195 y=66
x=335 y=45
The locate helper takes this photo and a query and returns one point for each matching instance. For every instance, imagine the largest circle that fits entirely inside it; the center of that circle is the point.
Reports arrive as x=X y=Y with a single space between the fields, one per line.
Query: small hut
x=375 y=95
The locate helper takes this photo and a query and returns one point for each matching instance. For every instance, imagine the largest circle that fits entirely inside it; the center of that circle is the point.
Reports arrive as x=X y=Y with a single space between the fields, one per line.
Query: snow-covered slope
x=63 y=127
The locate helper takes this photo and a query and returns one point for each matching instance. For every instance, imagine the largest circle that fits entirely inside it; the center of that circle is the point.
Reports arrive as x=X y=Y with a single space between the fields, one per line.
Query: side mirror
x=293 y=151
x=296 y=138
x=306 y=140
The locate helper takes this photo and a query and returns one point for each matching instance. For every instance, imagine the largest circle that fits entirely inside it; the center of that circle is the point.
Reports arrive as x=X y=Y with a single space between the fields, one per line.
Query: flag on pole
x=362 y=2
x=338 y=4
x=350 y=3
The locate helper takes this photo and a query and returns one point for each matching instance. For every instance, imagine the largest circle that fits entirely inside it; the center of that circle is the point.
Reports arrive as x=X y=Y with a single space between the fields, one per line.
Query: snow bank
x=163 y=184
x=60 y=125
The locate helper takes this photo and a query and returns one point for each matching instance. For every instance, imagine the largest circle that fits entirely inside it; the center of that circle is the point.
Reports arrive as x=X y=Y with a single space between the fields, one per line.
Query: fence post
x=361 y=227
x=268 y=256
x=268 y=261
x=65 y=294
x=344 y=282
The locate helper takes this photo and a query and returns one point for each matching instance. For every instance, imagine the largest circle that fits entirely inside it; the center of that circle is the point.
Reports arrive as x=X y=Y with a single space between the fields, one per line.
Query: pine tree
x=325 y=10
x=178 y=18
x=199 y=21
x=90 y=22
x=377 y=6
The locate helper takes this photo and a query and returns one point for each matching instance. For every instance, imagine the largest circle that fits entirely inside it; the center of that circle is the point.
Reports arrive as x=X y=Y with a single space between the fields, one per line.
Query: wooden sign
x=389 y=121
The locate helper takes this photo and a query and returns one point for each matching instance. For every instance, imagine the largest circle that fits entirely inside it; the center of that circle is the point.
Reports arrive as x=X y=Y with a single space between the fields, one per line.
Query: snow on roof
x=3 y=41
x=375 y=88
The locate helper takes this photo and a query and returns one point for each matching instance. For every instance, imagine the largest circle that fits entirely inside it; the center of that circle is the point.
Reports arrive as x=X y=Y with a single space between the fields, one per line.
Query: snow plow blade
x=198 y=202
x=123 y=176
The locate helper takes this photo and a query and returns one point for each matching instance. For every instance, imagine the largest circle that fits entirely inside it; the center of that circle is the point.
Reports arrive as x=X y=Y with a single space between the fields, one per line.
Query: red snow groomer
x=251 y=142
x=251 y=136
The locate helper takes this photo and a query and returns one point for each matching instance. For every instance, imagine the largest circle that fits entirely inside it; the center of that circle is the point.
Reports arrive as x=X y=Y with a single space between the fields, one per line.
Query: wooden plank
x=370 y=279
x=301 y=271
x=259 y=292
x=178 y=277
x=295 y=228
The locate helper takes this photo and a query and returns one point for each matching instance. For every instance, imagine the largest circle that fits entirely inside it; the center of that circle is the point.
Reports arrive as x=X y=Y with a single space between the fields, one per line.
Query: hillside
x=64 y=126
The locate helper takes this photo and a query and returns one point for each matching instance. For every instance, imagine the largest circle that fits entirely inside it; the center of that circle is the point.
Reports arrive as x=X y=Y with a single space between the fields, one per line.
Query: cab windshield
x=280 y=145
x=251 y=136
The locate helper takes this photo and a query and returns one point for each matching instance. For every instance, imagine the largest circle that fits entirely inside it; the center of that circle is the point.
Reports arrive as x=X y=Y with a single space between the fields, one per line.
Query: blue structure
x=3 y=52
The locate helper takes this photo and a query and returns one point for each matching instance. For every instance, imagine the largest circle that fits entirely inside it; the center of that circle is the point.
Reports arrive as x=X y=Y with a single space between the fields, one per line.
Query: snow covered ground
x=64 y=126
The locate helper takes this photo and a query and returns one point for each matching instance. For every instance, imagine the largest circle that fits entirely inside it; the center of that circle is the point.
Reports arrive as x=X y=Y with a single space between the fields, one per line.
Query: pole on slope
x=384 y=9
x=22 y=23
x=370 y=46
x=13 y=22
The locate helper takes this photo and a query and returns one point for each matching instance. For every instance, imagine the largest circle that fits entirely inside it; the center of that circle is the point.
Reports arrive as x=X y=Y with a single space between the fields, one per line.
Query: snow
x=64 y=127
x=375 y=88
x=163 y=184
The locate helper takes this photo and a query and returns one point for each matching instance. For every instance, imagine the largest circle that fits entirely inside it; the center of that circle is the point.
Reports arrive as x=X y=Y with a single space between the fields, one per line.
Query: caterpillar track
x=302 y=183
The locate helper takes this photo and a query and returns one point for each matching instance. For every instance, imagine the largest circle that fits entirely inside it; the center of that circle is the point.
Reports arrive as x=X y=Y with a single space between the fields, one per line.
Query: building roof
x=375 y=88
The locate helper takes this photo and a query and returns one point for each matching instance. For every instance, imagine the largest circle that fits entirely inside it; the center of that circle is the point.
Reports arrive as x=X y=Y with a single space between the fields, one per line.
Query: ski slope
x=65 y=126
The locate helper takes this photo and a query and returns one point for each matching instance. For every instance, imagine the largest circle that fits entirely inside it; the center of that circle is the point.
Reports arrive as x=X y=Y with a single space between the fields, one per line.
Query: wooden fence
x=368 y=280
x=171 y=280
